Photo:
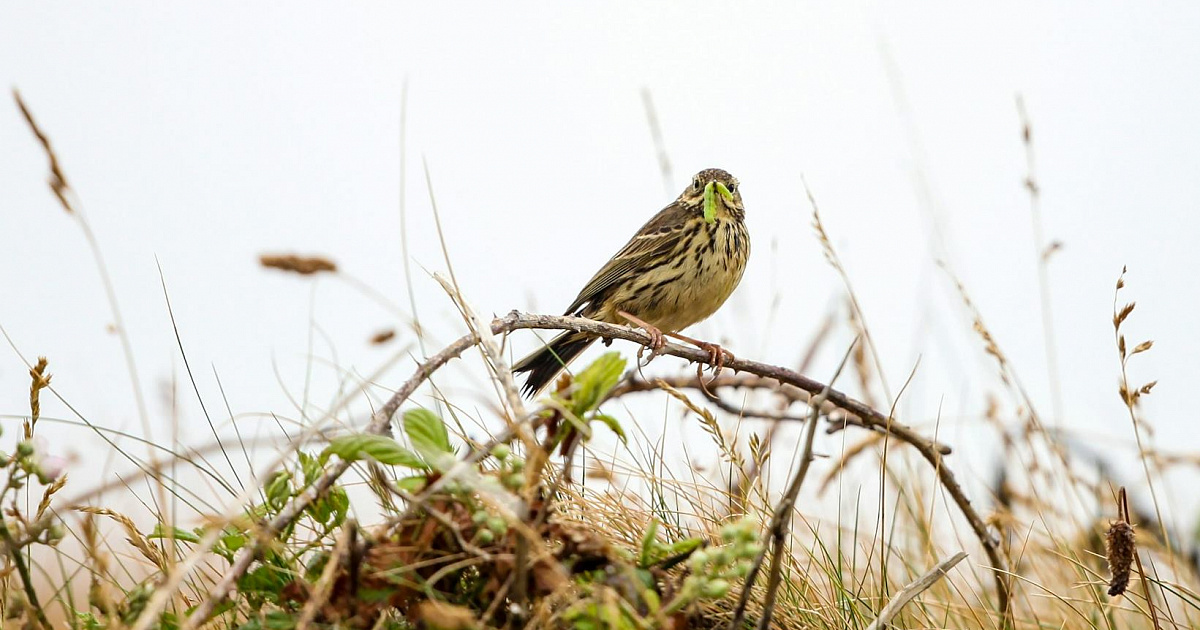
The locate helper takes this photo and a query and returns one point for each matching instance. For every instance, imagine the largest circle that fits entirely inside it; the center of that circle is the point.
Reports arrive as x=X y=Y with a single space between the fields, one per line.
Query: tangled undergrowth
x=504 y=532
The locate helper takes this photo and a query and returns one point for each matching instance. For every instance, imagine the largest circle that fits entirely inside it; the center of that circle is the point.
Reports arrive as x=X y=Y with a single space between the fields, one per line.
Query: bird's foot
x=657 y=339
x=717 y=356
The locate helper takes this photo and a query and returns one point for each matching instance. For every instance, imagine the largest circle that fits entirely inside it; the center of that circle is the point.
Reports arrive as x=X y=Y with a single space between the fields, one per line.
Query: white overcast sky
x=201 y=135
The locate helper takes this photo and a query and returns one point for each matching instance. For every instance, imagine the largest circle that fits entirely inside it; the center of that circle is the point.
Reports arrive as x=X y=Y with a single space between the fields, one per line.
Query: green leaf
x=229 y=543
x=220 y=609
x=234 y=541
x=649 y=542
x=684 y=546
x=427 y=433
x=89 y=621
x=613 y=425
x=412 y=484
x=274 y=620
x=330 y=510
x=596 y=380
x=651 y=597
x=316 y=564
x=341 y=505
x=267 y=581
x=176 y=533
x=311 y=466
x=382 y=449
x=279 y=488
x=647 y=580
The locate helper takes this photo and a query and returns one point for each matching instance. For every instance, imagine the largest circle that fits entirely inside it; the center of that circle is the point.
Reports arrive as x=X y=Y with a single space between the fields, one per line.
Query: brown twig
x=323 y=589
x=877 y=423
x=782 y=517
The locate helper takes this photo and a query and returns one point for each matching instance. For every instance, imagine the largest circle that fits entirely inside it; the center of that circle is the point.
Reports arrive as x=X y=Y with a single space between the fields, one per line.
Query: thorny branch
x=838 y=413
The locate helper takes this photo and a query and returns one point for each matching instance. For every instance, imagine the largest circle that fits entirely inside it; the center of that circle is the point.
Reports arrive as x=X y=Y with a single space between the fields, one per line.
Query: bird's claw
x=657 y=339
x=657 y=342
x=717 y=356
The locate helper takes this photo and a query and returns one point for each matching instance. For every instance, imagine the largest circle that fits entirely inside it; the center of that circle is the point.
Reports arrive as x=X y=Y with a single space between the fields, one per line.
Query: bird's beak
x=710 y=199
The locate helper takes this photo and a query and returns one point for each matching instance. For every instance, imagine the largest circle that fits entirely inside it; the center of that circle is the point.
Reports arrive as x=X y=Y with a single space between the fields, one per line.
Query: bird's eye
x=696 y=183
x=733 y=187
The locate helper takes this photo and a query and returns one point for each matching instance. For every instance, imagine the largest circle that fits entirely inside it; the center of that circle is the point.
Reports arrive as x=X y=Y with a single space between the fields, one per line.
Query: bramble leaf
x=595 y=381
x=427 y=433
x=382 y=449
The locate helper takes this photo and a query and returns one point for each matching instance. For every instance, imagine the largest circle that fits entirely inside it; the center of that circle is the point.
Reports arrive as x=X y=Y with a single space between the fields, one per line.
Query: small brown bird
x=677 y=270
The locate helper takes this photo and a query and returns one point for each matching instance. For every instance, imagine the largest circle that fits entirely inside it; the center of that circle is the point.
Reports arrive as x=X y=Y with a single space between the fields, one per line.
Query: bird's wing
x=653 y=242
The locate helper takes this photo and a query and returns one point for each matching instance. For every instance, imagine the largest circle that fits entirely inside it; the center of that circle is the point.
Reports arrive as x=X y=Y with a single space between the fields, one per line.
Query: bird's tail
x=544 y=364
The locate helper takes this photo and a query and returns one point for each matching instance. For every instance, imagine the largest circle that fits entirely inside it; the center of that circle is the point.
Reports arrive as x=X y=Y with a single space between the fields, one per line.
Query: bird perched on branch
x=677 y=270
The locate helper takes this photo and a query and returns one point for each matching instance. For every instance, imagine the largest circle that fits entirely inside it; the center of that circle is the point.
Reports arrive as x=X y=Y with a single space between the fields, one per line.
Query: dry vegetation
x=529 y=527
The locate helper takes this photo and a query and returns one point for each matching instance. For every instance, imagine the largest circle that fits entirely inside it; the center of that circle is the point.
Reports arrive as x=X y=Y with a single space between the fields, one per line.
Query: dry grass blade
x=1043 y=252
x=908 y=593
x=49 y=493
x=848 y=454
x=832 y=257
x=660 y=145
x=64 y=193
x=98 y=591
x=1130 y=395
x=708 y=421
x=132 y=535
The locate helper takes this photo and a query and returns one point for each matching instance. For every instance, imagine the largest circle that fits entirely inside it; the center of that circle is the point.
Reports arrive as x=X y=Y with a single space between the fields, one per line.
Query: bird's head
x=714 y=193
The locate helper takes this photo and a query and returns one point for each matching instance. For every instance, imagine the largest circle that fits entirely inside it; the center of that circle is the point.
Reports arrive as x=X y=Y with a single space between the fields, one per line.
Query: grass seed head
x=303 y=265
x=1121 y=546
x=383 y=337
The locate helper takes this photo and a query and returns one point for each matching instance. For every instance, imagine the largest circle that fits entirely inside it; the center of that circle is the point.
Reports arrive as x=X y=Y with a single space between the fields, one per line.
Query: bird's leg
x=716 y=354
x=656 y=335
